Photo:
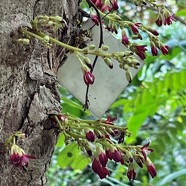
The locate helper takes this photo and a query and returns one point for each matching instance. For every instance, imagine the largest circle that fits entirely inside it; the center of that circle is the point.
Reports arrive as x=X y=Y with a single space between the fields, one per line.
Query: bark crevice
x=28 y=88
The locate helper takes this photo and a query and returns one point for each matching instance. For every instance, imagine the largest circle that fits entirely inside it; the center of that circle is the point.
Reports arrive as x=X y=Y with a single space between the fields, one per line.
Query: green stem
x=58 y=122
x=75 y=135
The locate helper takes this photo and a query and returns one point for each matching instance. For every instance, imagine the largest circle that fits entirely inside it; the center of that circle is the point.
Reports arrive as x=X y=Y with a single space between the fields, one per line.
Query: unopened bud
x=105 y=47
x=92 y=47
x=128 y=76
x=108 y=62
x=87 y=60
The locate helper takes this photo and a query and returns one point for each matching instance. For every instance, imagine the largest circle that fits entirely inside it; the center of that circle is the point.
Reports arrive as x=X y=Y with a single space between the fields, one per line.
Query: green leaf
x=181 y=12
x=172 y=176
x=72 y=157
x=60 y=141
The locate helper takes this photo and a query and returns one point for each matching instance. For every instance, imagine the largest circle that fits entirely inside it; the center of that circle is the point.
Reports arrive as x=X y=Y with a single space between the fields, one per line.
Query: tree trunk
x=28 y=87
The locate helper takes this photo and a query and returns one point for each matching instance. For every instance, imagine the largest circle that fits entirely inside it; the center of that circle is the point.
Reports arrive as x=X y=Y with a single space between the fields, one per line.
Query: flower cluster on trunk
x=103 y=141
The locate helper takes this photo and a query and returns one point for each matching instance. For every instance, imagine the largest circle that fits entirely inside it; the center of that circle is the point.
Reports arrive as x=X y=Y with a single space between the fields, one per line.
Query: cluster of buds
x=103 y=141
x=114 y=22
x=49 y=23
x=106 y=5
x=18 y=157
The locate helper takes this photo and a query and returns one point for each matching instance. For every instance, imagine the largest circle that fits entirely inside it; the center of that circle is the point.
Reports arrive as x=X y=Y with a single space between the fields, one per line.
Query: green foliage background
x=153 y=107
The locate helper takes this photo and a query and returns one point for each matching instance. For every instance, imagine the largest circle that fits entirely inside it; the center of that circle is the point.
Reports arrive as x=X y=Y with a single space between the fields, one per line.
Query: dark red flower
x=88 y=78
x=154 y=50
x=99 y=4
x=165 y=50
x=96 y=166
x=25 y=160
x=115 y=5
x=103 y=172
x=131 y=174
x=116 y=156
x=125 y=40
x=151 y=169
x=90 y=136
x=140 y=51
x=145 y=150
x=99 y=169
x=109 y=154
x=20 y=160
x=15 y=158
x=154 y=32
x=134 y=28
x=103 y=159
x=168 y=20
x=106 y=8
x=159 y=21
x=95 y=19
x=110 y=120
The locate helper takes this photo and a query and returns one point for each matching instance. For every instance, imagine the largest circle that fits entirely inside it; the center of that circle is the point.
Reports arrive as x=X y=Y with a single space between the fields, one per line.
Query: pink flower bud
x=88 y=78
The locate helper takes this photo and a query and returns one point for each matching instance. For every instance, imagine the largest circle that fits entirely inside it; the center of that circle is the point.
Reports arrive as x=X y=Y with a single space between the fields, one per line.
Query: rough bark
x=28 y=87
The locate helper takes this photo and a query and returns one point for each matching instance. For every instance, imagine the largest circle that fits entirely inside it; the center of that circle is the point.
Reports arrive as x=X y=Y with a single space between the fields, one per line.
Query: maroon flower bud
x=89 y=152
x=96 y=166
x=103 y=172
x=159 y=22
x=106 y=8
x=154 y=32
x=152 y=170
x=99 y=4
x=95 y=19
x=109 y=154
x=165 y=50
x=134 y=29
x=131 y=174
x=154 y=51
x=125 y=40
x=116 y=155
x=90 y=136
x=115 y=5
x=103 y=159
x=150 y=167
x=88 y=78
x=140 y=51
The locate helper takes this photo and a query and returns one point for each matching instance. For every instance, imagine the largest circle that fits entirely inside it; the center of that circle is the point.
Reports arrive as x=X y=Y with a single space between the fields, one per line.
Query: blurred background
x=153 y=107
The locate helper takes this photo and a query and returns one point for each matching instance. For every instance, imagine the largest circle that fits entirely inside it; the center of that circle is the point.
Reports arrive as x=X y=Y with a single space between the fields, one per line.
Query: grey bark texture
x=28 y=87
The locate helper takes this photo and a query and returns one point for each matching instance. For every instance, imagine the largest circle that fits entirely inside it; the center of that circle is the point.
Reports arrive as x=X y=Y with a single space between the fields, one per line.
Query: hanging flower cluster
x=113 y=22
x=17 y=157
x=104 y=141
